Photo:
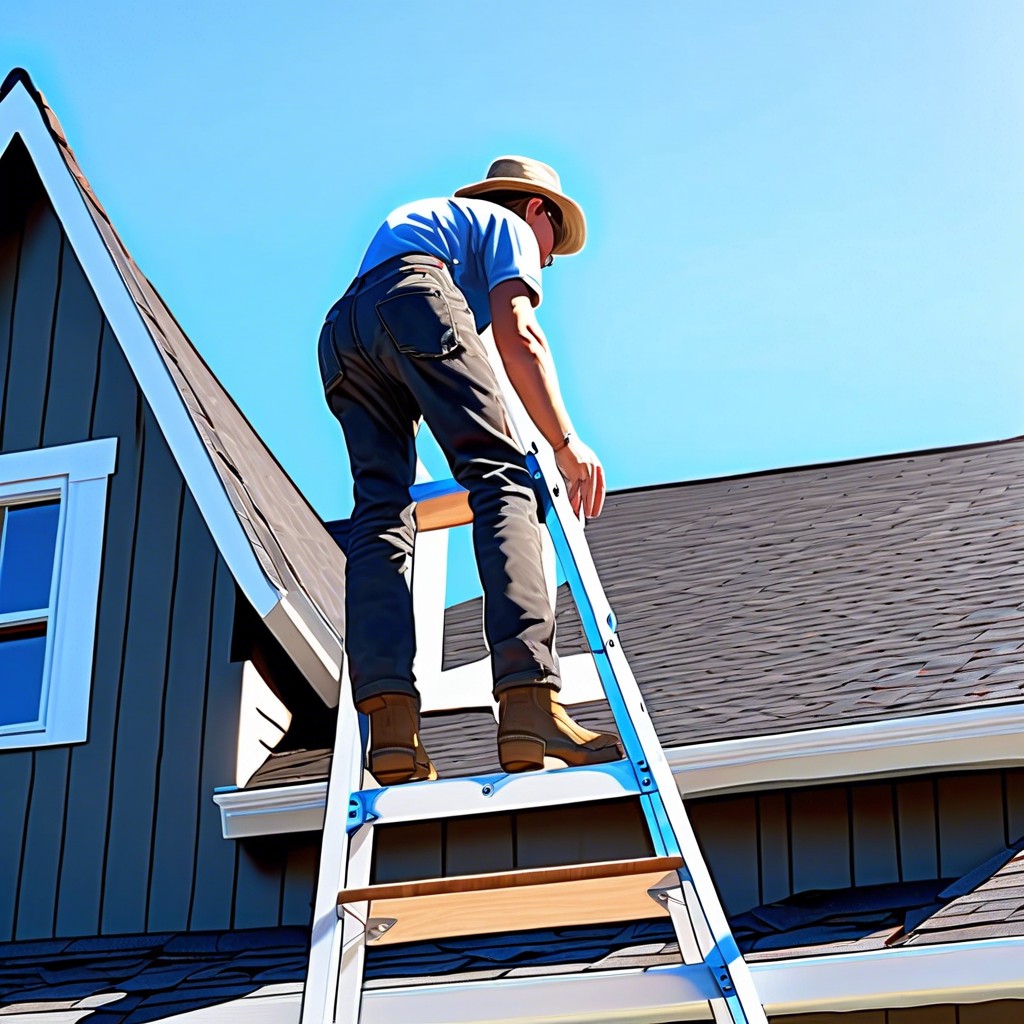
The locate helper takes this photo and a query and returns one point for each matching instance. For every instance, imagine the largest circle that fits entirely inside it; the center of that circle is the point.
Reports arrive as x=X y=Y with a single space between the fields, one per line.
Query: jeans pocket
x=419 y=320
x=331 y=372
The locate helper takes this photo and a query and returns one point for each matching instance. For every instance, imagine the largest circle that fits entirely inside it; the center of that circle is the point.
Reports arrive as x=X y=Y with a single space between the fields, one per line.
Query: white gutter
x=979 y=738
x=990 y=737
x=967 y=972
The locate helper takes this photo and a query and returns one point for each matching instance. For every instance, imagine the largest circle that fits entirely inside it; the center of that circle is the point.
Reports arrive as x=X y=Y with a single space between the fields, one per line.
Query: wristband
x=564 y=444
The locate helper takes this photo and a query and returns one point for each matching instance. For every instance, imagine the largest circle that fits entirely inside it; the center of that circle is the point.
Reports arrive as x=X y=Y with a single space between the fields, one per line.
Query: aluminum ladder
x=713 y=970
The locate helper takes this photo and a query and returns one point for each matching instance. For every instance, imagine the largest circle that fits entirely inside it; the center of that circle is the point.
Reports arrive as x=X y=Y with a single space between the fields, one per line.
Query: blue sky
x=805 y=217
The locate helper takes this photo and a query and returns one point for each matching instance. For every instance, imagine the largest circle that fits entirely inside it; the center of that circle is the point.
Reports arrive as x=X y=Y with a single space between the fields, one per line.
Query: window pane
x=30 y=536
x=21 y=678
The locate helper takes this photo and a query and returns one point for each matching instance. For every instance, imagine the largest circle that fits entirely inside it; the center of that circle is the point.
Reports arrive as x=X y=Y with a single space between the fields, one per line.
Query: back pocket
x=419 y=320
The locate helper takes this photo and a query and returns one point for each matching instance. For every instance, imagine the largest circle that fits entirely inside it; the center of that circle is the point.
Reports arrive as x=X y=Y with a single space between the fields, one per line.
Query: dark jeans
x=400 y=345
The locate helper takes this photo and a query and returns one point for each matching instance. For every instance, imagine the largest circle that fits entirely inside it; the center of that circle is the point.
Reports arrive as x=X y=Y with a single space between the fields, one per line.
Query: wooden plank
x=15 y=787
x=443 y=512
x=214 y=889
x=34 y=303
x=300 y=880
x=615 y=830
x=44 y=833
x=259 y=881
x=179 y=796
x=776 y=883
x=75 y=358
x=522 y=877
x=137 y=738
x=727 y=832
x=875 y=858
x=478 y=844
x=88 y=804
x=970 y=821
x=820 y=830
x=560 y=904
x=916 y=830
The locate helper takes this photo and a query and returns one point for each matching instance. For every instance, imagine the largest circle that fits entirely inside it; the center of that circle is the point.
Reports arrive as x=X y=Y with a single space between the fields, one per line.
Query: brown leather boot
x=396 y=753
x=531 y=723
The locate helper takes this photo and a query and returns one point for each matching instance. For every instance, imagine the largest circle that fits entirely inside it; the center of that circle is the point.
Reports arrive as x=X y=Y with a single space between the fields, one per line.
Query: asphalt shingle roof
x=854 y=592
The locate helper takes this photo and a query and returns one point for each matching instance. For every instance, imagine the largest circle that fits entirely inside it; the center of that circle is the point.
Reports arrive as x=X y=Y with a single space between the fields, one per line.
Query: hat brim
x=574 y=224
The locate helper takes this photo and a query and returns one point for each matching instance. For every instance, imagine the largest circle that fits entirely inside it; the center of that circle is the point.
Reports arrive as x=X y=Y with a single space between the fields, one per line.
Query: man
x=403 y=344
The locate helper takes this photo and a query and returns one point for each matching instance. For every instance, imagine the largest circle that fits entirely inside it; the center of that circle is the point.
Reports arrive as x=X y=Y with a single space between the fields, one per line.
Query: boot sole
x=393 y=767
x=521 y=754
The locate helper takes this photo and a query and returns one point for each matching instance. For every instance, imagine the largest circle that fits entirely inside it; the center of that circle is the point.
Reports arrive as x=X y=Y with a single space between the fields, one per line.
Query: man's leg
x=378 y=421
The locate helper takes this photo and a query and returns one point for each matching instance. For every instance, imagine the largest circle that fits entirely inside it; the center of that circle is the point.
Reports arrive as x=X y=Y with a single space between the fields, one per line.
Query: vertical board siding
x=1014 y=805
x=476 y=845
x=75 y=356
x=10 y=246
x=259 y=881
x=917 y=830
x=34 y=304
x=15 y=786
x=970 y=821
x=776 y=874
x=143 y=677
x=875 y=857
x=37 y=893
x=181 y=739
x=729 y=844
x=820 y=831
x=118 y=414
x=213 y=894
x=300 y=879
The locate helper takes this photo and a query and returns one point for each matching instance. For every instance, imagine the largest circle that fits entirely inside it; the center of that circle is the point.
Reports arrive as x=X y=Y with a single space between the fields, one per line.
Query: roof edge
x=811 y=467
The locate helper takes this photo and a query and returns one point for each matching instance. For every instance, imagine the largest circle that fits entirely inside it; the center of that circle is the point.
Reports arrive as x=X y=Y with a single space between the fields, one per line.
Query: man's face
x=542 y=223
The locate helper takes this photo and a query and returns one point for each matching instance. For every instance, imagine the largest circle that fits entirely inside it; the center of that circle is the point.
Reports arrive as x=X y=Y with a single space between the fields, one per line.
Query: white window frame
x=77 y=474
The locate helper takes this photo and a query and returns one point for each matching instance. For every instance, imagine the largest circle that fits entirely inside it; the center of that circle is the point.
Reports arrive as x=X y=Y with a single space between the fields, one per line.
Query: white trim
x=20 y=115
x=271 y=811
x=925 y=976
x=977 y=738
x=992 y=737
x=77 y=474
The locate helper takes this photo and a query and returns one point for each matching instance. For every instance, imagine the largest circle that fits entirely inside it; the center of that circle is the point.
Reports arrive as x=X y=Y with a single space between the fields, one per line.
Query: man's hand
x=584 y=477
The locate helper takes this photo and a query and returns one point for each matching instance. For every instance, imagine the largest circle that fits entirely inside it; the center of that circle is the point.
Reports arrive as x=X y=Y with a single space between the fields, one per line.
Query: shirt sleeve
x=510 y=251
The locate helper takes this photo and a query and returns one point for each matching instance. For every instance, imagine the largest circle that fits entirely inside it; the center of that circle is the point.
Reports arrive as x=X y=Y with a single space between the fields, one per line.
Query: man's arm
x=527 y=359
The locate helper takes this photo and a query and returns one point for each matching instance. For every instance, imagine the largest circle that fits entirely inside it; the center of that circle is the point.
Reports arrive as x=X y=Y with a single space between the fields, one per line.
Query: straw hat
x=521 y=174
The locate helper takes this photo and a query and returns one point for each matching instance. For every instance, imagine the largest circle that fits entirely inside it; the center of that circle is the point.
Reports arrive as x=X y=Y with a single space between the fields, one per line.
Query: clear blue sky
x=805 y=218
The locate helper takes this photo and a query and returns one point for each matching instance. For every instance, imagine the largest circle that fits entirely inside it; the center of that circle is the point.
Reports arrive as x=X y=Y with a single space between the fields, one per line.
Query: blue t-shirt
x=483 y=243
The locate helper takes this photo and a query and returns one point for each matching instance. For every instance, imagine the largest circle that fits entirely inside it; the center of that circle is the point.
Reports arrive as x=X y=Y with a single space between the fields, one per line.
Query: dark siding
x=120 y=834
x=15 y=785
x=1005 y=1011
x=37 y=893
x=137 y=728
x=118 y=413
x=181 y=740
x=875 y=858
x=34 y=304
x=1014 y=805
x=213 y=895
x=75 y=358
x=868 y=833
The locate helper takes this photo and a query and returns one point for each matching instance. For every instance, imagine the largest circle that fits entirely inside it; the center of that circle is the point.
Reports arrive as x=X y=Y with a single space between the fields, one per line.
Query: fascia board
x=956 y=973
x=991 y=737
x=20 y=115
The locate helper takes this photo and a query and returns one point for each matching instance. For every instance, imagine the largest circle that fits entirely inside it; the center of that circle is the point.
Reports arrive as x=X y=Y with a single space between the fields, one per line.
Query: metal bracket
x=377 y=926
x=360 y=812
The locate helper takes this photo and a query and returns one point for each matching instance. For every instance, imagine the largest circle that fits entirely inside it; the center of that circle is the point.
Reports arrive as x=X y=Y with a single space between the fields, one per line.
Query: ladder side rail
x=321 y=991
x=624 y=691
x=638 y=731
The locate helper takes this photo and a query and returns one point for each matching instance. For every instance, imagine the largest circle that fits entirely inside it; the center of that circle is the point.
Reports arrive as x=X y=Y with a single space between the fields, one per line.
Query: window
x=52 y=510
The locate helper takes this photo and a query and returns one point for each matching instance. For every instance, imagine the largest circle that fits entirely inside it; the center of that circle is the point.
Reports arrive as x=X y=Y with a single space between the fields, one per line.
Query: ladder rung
x=510 y=879
x=440 y=505
x=486 y=794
